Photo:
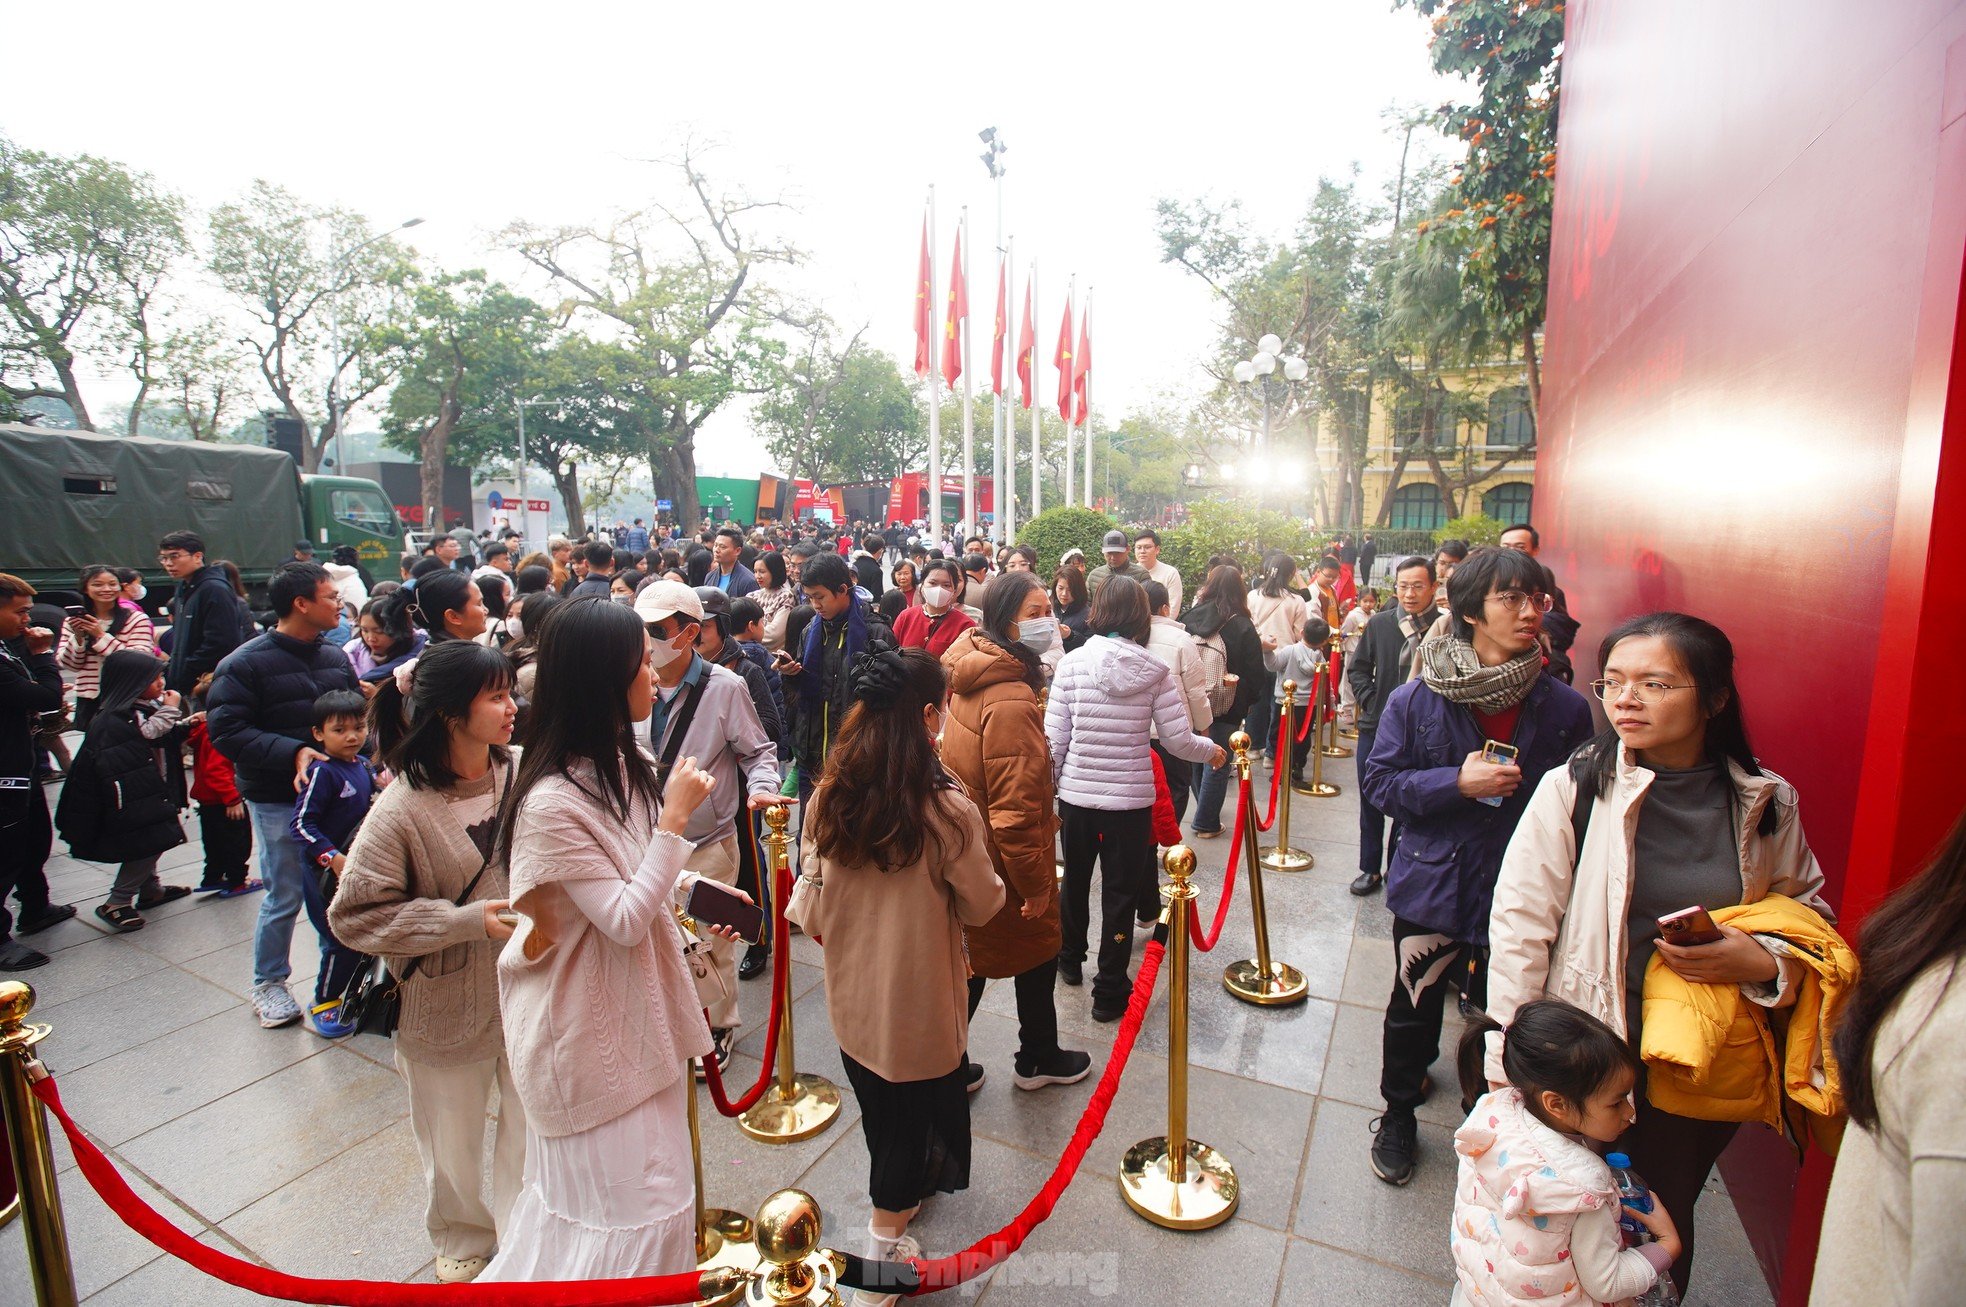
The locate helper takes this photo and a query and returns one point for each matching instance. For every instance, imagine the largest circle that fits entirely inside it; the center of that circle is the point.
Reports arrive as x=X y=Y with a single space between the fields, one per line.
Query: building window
x=1509 y=420
x=1416 y=507
x=1508 y=502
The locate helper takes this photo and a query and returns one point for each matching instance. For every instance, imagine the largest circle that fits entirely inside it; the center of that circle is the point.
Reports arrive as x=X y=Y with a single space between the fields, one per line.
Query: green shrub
x=1055 y=530
x=1244 y=533
x=1475 y=528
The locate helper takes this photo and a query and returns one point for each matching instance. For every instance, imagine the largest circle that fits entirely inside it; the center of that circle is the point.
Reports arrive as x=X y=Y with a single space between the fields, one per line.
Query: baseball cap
x=660 y=599
x=1115 y=539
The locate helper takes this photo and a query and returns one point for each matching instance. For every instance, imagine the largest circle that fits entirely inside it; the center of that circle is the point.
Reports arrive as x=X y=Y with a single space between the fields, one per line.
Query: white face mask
x=662 y=653
x=141 y=592
x=937 y=595
x=515 y=627
x=1038 y=634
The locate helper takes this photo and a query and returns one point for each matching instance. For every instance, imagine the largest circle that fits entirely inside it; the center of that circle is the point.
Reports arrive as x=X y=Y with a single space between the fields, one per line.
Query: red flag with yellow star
x=924 y=314
x=997 y=336
x=952 y=341
x=1082 y=366
x=1027 y=350
x=1062 y=360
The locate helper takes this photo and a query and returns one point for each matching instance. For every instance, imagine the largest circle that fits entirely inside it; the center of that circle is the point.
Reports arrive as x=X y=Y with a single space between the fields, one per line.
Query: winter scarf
x=1453 y=670
x=809 y=656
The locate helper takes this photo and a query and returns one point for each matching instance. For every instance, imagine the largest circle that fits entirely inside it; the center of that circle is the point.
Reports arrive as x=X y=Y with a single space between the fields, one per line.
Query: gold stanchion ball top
x=777 y=818
x=1289 y=687
x=1240 y=742
x=788 y=1226
x=16 y=1001
x=1180 y=862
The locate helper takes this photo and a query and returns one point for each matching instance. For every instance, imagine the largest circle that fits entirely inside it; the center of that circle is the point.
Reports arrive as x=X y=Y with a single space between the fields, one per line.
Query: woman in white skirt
x=601 y=1015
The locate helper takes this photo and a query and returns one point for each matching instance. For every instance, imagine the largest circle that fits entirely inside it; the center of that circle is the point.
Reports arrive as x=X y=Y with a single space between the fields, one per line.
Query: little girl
x=118 y=805
x=1535 y=1209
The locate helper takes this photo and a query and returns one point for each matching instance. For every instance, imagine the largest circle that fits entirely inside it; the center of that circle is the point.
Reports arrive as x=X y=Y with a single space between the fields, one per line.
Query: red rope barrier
x=1206 y=943
x=1310 y=714
x=948 y=1272
x=1276 y=774
x=115 y=1192
x=781 y=985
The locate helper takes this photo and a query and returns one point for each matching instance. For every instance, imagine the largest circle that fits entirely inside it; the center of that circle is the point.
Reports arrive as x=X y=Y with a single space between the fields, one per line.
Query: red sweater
x=211 y=772
x=915 y=629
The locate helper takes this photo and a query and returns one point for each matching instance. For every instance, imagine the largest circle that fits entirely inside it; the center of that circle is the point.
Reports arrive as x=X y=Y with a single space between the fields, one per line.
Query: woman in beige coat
x=903 y=860
x=1676 y=813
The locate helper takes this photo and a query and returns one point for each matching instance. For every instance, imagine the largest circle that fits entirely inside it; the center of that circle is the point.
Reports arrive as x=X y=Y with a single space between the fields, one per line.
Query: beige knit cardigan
x=410 y=859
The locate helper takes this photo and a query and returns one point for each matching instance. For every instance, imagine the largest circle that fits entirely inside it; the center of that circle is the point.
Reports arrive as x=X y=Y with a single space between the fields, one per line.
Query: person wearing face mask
x=704 y=711
x=993 y=743
x=935 y=623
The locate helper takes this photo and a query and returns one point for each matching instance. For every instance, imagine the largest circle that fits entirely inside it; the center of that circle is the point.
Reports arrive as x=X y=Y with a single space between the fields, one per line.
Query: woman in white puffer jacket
x=1106 y=695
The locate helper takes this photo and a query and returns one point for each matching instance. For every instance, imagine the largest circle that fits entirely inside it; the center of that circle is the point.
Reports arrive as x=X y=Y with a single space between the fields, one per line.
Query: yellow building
x=1484 y=437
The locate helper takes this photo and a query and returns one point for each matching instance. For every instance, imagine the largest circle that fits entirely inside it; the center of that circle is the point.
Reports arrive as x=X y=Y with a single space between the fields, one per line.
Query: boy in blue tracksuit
x=326 y=815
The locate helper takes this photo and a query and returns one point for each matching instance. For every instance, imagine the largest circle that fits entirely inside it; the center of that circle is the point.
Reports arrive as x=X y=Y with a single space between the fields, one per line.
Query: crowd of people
x=506 y=776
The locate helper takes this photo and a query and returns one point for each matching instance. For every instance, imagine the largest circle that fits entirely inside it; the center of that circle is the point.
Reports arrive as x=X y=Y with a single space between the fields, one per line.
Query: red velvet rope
x=1206 y=943
x=947 y=1272
x=1304 y=723
x=781 y=985
x=100 y=1172
x=1276 y=775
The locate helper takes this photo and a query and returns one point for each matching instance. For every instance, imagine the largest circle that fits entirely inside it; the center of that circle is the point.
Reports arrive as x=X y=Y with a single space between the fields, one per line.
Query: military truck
x=71 y=498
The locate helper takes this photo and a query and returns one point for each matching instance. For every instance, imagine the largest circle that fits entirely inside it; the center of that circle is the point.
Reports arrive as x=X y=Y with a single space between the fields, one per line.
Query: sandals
x=121 y=918
x=164 y=894
x=251 y=885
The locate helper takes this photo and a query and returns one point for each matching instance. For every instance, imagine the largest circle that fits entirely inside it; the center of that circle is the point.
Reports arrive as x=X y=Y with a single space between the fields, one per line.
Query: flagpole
x=1037 y=401
x=934 y=393
x=1085 y=412
x=1004 y=487
x=1071 y=481
x=969 y=409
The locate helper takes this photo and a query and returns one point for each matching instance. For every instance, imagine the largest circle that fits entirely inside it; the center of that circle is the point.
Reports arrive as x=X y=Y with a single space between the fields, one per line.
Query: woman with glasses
x=1675 y=813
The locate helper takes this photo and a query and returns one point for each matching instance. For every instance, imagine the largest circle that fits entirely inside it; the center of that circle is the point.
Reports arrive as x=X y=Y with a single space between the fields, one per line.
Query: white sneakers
x=274 y=1006
x=460 y=1270
x=886 y=1250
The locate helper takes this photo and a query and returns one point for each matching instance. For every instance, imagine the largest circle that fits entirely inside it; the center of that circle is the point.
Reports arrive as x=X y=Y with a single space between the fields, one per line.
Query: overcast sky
x=473 y=116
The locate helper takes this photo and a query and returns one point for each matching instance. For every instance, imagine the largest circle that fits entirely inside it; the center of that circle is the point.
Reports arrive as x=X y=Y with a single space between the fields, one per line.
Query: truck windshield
x=365 y=510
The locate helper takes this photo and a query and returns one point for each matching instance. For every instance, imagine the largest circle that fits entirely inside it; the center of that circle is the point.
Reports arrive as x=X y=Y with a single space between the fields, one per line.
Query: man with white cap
x=704 y=712
x=1119 y=562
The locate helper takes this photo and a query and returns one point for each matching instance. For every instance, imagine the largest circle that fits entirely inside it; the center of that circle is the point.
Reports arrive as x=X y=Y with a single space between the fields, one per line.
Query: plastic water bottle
x=1633 y=1193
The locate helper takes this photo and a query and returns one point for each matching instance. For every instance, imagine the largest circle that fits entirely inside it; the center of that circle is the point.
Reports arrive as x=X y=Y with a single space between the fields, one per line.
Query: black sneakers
x=722 y=1040
x=1398 y=1139
x=1071 y=970
x=1064 y=1066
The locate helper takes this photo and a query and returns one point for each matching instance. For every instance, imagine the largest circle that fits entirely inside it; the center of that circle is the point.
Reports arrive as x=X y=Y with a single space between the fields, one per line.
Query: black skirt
x=917 y=1135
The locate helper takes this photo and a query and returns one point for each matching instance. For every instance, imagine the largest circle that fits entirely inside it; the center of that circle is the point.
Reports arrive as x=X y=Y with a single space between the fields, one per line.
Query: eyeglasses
x=1646 y=692
x=1516 y=601
x=1413 y=587
x=173 y=556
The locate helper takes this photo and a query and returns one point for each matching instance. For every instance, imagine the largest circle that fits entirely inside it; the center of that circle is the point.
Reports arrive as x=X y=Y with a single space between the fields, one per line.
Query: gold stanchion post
x=799 y=1105
x=1283 y=857
x=723 y=1237
x=1325 y=733
x=1318 y=787
x=1259 y=980
x=1172 y=1180
x=799 y=1273
x=34 y=1157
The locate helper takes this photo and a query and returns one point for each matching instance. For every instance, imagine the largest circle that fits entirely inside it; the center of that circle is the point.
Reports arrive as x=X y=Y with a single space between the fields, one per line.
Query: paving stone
x=1369 y=975
x=739 y=1172
x=1346 y=1206
x=208 y=925
x=101 y=1248
x=1317 y=1276
x=168 y=1282
x=119 y=1017
x=73 y=973
x=233 y=1152
x=376 y=1232
x=135 y=1091
x=1351 y=1072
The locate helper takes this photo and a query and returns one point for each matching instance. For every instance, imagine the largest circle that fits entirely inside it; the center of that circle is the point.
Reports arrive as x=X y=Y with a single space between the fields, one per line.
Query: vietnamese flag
x=924 y=317
x=1062 y=360
x=1027 y=349
x=997 y=336
x=952 y=341
x=1082 y=368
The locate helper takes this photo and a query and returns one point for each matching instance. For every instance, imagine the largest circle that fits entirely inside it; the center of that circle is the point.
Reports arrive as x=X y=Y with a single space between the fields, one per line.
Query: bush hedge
x=1056 y=530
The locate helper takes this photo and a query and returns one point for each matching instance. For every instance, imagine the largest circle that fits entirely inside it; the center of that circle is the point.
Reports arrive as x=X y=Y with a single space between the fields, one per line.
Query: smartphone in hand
x=1501 y=755
x=1689 y=926
x=713 y=905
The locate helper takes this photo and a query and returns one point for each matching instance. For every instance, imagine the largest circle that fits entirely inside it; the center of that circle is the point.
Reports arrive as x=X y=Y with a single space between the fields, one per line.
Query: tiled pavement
x=285 y=1149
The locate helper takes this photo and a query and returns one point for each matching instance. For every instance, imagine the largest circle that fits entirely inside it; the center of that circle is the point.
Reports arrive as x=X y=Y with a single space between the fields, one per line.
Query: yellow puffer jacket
x=1710 y=1053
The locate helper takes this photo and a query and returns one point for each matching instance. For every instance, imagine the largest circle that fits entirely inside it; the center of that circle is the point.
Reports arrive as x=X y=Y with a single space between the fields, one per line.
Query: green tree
x=1216 y=526
x=1499 y=218
x=326 y=298
x=843 y=414
x=84 y=245
x=468 y=345
x=682 y=283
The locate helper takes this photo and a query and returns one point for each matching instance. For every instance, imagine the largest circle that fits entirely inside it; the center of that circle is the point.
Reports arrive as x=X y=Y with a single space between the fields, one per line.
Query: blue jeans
x=1211 y=784
x=290 y=886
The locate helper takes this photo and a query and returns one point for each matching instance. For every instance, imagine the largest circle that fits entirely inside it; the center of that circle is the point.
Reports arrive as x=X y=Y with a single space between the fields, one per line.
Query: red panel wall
x=1754 y=408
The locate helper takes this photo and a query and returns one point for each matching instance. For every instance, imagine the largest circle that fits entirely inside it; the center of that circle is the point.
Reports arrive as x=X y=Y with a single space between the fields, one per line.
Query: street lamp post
x=1259 y=371
x=335 y=269
x=992 y=156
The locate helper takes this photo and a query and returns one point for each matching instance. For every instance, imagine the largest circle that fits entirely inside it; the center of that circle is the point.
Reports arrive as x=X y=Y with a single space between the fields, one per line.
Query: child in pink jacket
x=1535 y=1208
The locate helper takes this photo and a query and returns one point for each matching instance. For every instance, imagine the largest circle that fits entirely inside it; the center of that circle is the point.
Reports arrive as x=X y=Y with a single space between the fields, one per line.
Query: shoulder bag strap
x=409 y=968
x=679 y=728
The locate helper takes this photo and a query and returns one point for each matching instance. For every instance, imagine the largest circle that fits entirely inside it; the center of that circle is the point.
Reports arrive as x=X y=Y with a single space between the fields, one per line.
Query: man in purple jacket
x=1457 y=755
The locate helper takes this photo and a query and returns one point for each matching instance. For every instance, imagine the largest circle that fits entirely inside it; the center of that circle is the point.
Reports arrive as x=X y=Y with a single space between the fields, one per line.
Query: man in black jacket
x=1381 y=665
x=30 y=684
x=207 y=617
x=261 y=716
x=814 y=669
x=867 y=565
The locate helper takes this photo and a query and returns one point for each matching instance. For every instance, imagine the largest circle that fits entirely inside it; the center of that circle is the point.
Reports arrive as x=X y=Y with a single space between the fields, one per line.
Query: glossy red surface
x=1754 y=410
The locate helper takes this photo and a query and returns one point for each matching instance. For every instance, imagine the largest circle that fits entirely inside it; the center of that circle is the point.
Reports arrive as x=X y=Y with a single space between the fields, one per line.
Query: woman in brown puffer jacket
x=993 y=743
